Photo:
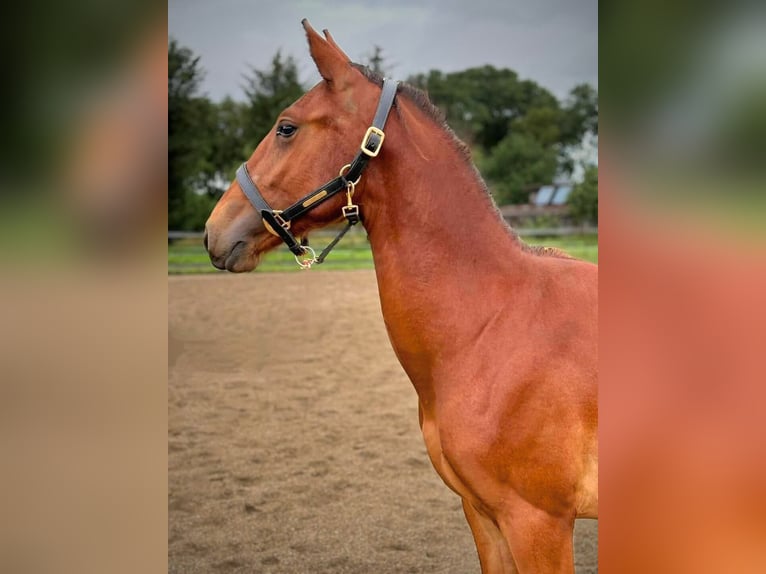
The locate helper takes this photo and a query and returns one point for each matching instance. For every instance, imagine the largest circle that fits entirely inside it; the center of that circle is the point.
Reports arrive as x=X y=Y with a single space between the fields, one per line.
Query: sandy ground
x=293 y=436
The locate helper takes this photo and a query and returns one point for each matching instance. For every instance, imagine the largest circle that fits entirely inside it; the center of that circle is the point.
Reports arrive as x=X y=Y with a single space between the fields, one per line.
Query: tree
x=525 y=135
x=184 y=72
x=188 y=146
x=543 y=124
x=268 y=93
x=516 y=163
x=583 y=202
x=579 y=121
x=226 y=127
x=479 y=103
x=376 y=61
x=580 y=114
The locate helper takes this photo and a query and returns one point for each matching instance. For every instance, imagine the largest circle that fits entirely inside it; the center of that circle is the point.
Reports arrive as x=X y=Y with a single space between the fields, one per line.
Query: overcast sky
x=553 y=42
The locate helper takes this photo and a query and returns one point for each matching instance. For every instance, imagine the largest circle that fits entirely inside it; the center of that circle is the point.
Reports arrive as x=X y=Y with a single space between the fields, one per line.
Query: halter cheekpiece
x=278 y=222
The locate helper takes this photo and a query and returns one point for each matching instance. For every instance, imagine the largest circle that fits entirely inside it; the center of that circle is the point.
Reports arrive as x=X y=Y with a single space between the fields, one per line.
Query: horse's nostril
x=204 y=241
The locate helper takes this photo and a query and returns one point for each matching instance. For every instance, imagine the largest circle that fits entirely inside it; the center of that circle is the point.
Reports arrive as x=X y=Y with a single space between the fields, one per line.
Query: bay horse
x=499 y=339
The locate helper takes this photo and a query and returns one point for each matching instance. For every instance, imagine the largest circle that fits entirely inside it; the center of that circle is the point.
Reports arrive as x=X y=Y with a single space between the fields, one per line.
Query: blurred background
x=82 y=168
x=83 y=294
x=517 y=81
x=685 y=84
x=681 y=286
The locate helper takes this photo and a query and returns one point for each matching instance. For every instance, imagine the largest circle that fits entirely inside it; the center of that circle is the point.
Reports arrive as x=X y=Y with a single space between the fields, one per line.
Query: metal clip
x=350 y=210
x=345 y=168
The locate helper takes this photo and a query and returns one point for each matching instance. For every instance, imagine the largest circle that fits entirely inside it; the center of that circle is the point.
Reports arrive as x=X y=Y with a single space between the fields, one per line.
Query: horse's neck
x=443 y=256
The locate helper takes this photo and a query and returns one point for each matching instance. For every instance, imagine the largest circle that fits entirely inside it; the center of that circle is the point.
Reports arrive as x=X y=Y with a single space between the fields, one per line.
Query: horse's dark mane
x=424 y=104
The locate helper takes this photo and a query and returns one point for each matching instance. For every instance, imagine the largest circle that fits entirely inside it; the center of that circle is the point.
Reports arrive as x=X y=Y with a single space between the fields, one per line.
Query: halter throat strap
x=278 y=221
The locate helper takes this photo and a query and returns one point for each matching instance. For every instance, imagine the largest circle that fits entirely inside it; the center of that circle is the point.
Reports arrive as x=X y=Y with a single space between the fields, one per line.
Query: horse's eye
x=286 y=130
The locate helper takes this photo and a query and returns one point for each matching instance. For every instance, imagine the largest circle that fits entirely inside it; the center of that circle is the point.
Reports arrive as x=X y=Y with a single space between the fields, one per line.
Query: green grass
x=353 y=252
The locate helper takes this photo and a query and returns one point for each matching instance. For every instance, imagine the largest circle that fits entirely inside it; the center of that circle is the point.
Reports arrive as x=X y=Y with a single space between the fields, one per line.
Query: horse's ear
x=334 y=44
x=333 y=65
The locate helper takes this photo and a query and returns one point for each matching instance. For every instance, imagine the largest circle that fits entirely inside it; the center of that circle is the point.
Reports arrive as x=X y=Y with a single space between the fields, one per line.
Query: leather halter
x=278 y=221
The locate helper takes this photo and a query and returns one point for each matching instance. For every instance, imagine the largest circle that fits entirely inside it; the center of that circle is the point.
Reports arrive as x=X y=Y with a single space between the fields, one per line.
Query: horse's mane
x=424 y=104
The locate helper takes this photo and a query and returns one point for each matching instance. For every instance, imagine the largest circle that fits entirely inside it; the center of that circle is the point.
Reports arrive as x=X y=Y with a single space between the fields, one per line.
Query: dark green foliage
x=188 y=146
x=580 y=114
x=194 y=211
x=225 y=129
x=480 y=103
x=583 y=202
x=269 y=92
x=518 y=162
x=524 y=133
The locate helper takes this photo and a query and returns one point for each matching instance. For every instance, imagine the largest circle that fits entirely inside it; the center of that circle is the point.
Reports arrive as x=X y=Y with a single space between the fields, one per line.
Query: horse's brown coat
x=500 y=342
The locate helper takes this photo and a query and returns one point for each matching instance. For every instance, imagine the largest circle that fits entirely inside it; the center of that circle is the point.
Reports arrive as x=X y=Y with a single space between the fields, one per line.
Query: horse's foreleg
x=494 y=554
x=539 y=542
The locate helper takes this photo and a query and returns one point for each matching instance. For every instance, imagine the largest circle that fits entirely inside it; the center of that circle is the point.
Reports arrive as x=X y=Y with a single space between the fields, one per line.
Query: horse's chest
x=433 y=441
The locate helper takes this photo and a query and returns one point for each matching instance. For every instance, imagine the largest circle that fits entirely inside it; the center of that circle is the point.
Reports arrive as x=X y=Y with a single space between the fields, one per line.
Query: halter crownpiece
x=278 y=222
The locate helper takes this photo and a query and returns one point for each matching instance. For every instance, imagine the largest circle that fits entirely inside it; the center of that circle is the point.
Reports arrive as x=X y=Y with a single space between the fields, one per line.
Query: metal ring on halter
x=346 y=167
x=306 y=263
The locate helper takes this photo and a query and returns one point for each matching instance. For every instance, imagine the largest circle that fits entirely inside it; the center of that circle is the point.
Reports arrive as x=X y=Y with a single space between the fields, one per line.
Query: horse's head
x=310 y=141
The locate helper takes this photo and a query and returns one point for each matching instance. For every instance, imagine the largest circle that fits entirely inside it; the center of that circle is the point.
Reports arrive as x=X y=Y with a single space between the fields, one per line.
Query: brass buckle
x=350 y=211
x=282 y=223
x=372 y=130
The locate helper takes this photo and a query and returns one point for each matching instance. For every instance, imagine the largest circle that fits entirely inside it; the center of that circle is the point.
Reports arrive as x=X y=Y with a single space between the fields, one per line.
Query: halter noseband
x=278 y=221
